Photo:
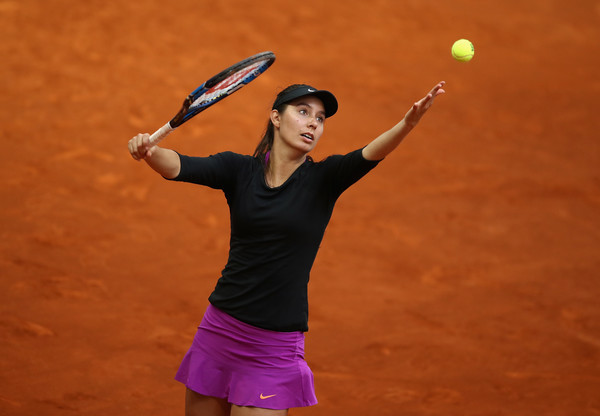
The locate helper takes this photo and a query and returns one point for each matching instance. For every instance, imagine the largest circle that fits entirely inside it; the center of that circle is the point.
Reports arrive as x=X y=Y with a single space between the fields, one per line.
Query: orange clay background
x=460 y=277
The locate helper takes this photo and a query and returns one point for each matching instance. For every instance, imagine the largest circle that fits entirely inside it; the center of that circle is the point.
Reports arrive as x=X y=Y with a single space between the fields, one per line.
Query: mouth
x=308 y=136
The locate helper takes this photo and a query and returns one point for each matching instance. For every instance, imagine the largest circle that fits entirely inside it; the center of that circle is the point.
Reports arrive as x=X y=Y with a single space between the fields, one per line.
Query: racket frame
x=216 y=89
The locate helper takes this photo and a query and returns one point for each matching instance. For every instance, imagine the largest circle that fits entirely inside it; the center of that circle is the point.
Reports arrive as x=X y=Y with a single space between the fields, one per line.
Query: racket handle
x=160 y=134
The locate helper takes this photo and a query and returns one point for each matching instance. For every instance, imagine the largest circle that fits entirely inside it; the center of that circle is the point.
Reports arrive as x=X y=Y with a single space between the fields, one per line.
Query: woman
x=248 y=355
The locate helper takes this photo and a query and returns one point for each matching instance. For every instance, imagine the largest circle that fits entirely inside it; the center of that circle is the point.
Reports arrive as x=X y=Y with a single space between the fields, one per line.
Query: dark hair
x=266 y=143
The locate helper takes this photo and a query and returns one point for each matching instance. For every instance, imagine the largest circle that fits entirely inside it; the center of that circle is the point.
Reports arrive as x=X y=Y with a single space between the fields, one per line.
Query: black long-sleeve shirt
x=275 y=232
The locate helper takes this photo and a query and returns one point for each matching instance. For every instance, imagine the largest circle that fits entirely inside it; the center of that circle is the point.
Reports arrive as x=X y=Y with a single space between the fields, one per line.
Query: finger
x=136 y=142
x=424 y=102
x=131 y=145
x=438 y=89
x=435 y=91
x=146 y=147
x=135 y=148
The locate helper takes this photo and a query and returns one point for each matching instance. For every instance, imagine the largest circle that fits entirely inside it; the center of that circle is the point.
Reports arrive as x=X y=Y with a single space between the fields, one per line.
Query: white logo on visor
x=311 y=90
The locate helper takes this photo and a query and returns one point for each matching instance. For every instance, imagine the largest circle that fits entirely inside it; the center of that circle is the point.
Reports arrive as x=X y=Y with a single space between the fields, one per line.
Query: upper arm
x=216 y=171
x=345 y=170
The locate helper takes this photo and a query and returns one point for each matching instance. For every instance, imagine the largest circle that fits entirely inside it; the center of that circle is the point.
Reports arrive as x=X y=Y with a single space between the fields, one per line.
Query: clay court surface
x=460 y=277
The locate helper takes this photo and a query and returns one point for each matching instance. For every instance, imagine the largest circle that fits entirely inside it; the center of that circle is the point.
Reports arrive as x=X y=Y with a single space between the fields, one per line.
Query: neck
x=281 y=166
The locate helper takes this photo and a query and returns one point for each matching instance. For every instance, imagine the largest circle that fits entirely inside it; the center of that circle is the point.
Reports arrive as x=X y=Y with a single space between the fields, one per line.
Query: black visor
x=328 y=99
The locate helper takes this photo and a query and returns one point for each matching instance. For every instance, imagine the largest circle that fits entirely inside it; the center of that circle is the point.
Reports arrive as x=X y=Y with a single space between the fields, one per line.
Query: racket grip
x=160 y=134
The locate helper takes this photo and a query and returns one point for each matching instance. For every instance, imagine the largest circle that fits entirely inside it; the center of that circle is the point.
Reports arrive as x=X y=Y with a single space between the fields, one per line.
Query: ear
x=275 y=118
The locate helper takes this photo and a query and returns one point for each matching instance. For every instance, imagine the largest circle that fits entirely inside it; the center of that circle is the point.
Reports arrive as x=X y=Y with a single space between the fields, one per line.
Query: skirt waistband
x=223 y=324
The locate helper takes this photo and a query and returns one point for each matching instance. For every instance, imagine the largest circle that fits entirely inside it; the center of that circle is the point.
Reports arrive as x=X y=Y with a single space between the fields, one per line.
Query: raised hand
x=419 y=108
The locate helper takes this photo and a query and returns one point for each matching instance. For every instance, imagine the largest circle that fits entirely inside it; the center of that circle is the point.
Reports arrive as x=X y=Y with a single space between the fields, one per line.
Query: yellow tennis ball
x=463 y=50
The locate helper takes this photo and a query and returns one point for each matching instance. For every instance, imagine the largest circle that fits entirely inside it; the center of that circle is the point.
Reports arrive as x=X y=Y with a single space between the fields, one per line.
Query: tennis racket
x=215 y=89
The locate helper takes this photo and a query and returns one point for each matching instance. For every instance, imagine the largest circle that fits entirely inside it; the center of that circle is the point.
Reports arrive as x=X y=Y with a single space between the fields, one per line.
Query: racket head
x=222 y=85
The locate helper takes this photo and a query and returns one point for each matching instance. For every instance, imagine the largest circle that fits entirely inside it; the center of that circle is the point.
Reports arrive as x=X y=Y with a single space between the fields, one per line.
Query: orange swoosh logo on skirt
x=266 y=397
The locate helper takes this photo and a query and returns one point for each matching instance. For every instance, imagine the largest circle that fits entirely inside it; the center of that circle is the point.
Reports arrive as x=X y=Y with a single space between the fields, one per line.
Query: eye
x=303 y=112
x=321 y=119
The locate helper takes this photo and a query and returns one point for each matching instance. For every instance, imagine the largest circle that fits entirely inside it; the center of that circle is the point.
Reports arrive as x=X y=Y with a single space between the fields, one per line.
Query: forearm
x=387 y=141
x=164 y=161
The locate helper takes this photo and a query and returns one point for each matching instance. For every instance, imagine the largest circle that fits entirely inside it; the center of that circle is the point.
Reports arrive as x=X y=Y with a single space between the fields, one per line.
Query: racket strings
x=228 y=85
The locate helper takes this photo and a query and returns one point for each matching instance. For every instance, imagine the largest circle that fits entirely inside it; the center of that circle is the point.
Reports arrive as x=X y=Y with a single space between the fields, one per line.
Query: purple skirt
x=246 y=365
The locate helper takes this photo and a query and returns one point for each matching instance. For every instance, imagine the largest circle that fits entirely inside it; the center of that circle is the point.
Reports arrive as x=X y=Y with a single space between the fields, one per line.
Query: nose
x=312 y=122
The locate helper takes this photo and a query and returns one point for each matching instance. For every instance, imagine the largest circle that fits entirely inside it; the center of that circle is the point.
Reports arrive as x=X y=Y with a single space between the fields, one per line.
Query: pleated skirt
x=247 y=366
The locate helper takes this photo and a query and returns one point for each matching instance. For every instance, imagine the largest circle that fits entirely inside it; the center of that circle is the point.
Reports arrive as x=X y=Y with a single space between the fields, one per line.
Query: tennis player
x=247 y=357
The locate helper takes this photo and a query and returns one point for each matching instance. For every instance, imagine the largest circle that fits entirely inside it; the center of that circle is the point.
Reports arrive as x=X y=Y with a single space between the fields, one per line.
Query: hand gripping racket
x=215 y=89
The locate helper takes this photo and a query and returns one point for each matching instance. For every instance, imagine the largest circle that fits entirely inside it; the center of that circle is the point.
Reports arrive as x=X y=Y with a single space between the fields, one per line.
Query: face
x=300 y=125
